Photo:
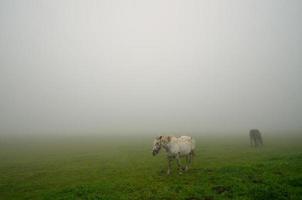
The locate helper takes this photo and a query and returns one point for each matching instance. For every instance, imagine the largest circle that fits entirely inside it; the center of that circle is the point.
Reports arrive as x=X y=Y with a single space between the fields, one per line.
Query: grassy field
x=96 y=167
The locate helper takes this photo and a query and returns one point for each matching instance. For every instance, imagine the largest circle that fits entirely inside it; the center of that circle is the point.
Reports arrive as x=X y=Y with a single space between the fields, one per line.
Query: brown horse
x=255 y=138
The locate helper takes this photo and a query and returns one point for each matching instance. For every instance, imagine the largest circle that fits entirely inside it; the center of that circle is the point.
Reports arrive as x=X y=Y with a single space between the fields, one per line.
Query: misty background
x=155 y=66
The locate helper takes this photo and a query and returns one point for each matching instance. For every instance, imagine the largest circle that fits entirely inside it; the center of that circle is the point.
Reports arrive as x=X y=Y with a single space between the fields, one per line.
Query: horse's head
x=156 y=145
x=159 y=142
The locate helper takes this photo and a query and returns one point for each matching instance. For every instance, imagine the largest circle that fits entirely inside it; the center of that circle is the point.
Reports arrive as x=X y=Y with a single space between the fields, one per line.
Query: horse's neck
x=166 y=147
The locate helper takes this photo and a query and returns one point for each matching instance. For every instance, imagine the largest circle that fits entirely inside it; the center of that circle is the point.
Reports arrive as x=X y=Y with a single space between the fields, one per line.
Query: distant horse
x=175 y=148
x=255 y=138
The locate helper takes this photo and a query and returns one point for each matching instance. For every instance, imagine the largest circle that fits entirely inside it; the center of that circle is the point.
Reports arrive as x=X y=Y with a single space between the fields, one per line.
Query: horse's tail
x=193 y=148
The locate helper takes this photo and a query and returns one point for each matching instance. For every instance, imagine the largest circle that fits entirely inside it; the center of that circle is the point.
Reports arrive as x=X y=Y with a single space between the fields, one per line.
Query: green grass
x=96 y=167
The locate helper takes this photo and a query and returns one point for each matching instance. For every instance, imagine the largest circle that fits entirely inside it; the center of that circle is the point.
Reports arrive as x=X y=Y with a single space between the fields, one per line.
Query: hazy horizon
x=150 y=66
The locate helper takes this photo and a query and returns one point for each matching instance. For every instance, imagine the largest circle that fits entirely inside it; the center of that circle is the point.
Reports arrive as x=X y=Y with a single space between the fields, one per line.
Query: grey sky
x=150 y=66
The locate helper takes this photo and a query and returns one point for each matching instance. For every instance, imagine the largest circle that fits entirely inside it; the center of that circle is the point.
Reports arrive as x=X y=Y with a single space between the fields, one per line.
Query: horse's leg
x=178 y=162
x=254 y=142
x=187 y=162
x=169 y=165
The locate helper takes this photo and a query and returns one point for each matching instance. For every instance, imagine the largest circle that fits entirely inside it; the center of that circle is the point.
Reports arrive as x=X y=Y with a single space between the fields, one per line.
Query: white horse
x=176 y=147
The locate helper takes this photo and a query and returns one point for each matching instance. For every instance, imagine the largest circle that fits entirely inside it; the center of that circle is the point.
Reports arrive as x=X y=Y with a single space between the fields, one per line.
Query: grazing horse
x=175 y=148
x=255 y=138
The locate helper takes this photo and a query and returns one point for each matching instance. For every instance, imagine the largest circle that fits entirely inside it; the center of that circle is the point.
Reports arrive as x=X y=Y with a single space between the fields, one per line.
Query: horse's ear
x=160 y=137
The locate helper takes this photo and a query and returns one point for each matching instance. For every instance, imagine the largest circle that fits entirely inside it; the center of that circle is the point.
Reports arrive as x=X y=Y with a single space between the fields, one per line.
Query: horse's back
x=185 y=138
x=186 y=144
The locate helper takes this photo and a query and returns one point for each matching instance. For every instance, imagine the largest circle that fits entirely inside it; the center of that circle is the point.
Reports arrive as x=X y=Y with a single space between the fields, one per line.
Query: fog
x=155 y=66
